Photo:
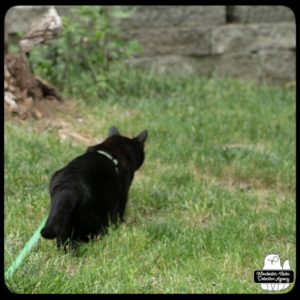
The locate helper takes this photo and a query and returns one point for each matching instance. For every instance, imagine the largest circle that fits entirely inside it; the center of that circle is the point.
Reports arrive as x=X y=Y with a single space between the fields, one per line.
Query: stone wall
x=246 y=42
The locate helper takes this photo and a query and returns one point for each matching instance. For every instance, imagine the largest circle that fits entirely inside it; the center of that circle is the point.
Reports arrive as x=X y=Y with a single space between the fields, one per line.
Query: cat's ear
x=142 y=136
x=113 y=131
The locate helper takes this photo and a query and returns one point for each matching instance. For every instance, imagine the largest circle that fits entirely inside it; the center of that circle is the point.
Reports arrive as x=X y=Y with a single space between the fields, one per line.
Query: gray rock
x=278 y=65
x=253 y=37
x=175 y=41
x=19 y=19
x=242 y=66
x=253 y=14
x=202 y=65
x=166 y=64
x=265 y=65
x=146 y=17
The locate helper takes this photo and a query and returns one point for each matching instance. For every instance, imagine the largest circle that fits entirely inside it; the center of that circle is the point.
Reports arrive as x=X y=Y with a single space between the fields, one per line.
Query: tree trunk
x=22 y=88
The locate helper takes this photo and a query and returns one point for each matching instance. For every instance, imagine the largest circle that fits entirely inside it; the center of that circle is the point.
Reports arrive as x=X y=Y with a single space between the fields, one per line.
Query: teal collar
x=111 y=158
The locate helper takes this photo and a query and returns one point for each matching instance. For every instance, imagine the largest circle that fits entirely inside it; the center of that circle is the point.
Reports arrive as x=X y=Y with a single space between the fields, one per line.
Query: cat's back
x=87 y=171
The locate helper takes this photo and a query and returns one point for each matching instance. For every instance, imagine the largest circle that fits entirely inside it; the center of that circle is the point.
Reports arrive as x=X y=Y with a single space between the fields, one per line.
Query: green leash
x=14 y=266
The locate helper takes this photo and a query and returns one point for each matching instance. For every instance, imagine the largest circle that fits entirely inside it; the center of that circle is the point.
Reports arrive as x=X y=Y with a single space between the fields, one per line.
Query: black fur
x=90 y=193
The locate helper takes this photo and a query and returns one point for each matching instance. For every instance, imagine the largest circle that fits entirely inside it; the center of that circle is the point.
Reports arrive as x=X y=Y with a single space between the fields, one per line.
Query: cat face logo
x=272 y=262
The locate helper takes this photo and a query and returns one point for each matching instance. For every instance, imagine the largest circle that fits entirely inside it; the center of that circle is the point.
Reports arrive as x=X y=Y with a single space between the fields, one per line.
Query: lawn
x=216 y=192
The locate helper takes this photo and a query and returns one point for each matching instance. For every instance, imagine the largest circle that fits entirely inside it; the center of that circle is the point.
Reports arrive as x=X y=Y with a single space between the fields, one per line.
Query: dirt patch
x=65 y=119
x=58 y=117
x=50 y=109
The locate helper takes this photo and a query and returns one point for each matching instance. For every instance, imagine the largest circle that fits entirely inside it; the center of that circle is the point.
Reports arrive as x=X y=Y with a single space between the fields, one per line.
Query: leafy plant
x=81 y=56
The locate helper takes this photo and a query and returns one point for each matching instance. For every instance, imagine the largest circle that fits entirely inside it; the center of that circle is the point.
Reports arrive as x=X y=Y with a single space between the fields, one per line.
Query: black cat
x=91 y=192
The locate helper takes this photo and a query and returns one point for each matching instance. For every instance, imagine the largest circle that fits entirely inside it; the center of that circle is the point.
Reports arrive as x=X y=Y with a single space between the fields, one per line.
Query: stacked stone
x=248 y=42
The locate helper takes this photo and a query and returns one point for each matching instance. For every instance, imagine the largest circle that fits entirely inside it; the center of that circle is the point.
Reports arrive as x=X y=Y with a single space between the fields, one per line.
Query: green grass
x=215 y=195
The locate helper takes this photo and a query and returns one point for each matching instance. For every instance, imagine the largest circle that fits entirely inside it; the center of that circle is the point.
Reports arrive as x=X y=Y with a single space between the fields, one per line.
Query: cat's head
x=136 y=144
x=132 y=148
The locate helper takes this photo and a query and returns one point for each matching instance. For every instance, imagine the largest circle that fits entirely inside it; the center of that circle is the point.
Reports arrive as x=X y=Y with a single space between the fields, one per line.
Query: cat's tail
x=58 y=222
